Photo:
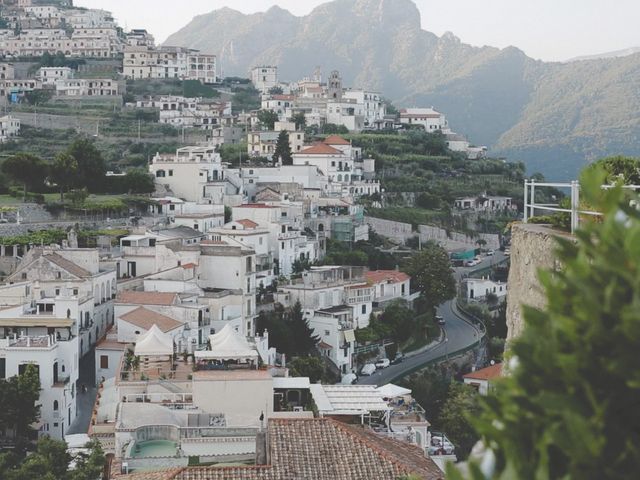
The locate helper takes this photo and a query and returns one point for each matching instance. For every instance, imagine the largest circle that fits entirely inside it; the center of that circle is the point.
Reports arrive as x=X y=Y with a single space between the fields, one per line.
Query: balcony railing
x=531 y=205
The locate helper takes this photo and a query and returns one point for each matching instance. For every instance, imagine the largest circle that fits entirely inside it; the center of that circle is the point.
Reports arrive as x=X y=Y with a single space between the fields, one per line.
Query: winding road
x=459 y=334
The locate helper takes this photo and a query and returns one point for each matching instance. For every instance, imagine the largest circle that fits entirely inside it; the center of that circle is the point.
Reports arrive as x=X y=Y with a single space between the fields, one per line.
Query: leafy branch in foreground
x=569 y=407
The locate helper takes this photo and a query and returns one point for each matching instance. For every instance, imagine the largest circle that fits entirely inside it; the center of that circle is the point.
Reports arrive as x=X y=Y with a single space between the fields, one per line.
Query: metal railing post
x=532 y=201
x=575 y=202
x=526 y=202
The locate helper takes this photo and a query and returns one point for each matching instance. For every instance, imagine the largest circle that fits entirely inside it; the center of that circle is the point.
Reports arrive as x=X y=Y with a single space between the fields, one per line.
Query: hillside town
x=215 y=277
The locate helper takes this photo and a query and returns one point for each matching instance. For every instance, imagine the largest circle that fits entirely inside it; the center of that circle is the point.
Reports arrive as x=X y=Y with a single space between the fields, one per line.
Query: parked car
x=398 y=359
x=490 y=253
x=472 y=263
x=507 y=252
x=440 y=320
x=368 y=369
x=383 y=363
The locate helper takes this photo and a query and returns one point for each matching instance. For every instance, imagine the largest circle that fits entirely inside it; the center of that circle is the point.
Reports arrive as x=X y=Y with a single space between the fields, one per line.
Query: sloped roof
x=145 y=318
x=246 y=223
x=487 y=373
x=154 y=343
x=67 y=265
x=335 y=140
x=392 y=276
x=319 y=149
x=147 y=298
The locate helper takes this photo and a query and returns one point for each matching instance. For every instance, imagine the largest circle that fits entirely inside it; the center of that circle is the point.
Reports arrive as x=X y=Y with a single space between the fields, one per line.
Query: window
x=24 y=276
x=171 y=173
x=364 y=309
x=104 y=361
x=282 y=245
x=55 y=405
x=172 y=207
x=327 y=333
x=58 y=274
x=57 y=292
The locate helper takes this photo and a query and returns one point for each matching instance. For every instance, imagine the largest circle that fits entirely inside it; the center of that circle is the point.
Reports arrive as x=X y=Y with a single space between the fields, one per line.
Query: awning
x=33 y=321
x=391 y=390
x=154 y=343
x=349 y=336
x=227 y=344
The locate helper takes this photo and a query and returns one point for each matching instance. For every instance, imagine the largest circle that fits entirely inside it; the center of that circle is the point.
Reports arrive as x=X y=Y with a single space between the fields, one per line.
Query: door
x=131 y=269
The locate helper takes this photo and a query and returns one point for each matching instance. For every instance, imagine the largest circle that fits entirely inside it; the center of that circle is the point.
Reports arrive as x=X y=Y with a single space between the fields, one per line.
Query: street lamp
x=446 y=351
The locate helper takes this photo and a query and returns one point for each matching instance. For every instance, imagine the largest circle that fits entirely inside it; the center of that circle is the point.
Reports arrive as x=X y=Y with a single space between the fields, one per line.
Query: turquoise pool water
x=154 y=448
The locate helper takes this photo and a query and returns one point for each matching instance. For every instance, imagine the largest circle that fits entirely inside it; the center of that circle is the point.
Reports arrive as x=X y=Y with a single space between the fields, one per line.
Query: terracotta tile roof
x=246 y=223
x=145 y=318
x=320 y=449
x=255 y=205
x=392 y=276
x=308 y=449
x=488 y=373
x=188 y=266
x=168 y=474
x=320 y=149
x=324 y=345
x=147 y=298
x=335 y=140
x=282 y=97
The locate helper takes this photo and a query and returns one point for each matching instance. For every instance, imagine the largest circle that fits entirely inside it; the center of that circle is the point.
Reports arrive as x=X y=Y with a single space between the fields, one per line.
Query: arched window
x=68 y=313
x=339 y=177
x=55 y=405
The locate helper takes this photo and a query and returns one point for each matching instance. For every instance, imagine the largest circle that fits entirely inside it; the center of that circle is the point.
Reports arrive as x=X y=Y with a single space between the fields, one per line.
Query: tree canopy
x=25 y=169
x=91 y=165
x=288 y=330
x=50 y=461
x=267 y=118
x=18 y=397
x=283 y=149
x=569 y=406
x=64 y=172
x=619 y=167
x=431 y=274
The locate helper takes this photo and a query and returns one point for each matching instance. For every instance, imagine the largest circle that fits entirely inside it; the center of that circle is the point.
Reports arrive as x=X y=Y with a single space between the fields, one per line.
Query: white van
x=368 y=369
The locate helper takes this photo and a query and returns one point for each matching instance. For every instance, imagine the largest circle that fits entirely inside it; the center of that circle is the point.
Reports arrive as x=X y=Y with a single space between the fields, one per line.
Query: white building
x=188 y=172
x=144 y=61
x=9 y=128
x=373 y=107
x=50 y=75
x=251 y=234
x=485 y=203
x=389 y=285
x=231 y=265
x=89 y=87
x=482 y=379
x=264 y=77
x=479 y=288
x=430 y=119
x=77 y=274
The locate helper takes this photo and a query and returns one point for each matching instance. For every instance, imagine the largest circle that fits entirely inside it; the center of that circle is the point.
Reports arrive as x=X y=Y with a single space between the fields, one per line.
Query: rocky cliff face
x=552 y=115
x=532 y=248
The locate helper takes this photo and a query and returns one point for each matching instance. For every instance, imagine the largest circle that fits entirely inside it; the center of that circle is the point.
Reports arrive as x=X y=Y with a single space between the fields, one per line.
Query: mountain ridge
x=541 y=112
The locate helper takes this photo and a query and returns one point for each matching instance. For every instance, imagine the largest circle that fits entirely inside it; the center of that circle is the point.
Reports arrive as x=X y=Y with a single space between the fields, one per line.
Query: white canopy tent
x=391 y=390
x=227 y=344
x=154 y=343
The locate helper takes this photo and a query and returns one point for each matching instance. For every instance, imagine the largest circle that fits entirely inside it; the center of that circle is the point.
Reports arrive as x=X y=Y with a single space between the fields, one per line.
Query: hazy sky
x=544 y=29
